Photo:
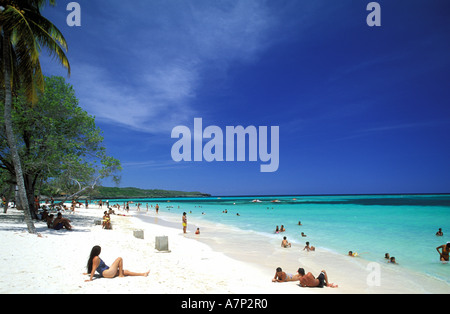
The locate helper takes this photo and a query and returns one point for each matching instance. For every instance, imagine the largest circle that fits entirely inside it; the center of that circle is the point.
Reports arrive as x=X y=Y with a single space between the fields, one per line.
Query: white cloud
x=157 y=55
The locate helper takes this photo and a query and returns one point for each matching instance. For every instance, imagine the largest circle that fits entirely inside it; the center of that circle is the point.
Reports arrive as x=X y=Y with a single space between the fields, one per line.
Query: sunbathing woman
x=281 y=276
x=95 y=263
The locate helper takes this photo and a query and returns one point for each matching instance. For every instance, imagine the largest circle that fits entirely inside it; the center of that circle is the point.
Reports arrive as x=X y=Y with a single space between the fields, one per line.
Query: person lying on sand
x=309 y=280
x=95 y=263
x=281 y=276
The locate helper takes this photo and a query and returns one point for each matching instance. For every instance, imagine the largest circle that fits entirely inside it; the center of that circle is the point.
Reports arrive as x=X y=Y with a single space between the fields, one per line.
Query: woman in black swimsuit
x=95 y=263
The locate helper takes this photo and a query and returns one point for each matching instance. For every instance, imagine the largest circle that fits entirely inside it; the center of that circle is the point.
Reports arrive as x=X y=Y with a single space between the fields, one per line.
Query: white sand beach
x=54 y=262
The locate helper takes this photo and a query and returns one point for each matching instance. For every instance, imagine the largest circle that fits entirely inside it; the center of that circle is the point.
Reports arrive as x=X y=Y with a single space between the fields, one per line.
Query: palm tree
x=23 y=32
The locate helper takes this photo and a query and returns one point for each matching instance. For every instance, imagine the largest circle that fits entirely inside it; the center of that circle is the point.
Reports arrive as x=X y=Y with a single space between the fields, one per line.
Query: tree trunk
x=8 y=198
x=30 y=189
x=10 y=134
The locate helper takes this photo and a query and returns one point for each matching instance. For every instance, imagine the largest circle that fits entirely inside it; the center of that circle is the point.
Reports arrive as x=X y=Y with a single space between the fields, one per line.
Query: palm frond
x=16 y=25
x=24 y=51
x=29 y=32
x=49 y=36
x=35 y=4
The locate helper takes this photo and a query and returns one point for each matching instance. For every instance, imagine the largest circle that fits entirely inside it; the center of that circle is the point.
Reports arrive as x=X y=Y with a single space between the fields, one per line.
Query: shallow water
x=402 y=225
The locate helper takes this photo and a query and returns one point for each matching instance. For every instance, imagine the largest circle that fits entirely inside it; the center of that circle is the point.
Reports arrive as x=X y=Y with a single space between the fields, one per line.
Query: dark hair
x=94 y=252
x=279 y=269
x=301 y=271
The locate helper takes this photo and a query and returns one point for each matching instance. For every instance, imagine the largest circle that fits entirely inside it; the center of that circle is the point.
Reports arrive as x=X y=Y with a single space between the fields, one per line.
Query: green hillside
x=115 y=192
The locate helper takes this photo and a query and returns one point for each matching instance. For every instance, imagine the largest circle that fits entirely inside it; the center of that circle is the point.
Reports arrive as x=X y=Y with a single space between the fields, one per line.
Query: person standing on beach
x=5 y=208
x=184 y=220
x=445 y=252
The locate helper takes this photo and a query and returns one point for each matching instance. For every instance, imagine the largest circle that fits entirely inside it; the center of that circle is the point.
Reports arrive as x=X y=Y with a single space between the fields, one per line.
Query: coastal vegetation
x=60 y=147
x=24 y=32
x=47 y=141
x=136 y=193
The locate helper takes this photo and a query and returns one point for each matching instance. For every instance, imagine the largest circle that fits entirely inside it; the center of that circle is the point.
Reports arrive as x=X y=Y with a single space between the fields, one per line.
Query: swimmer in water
x=309 y=248
x=392 y=260
x=285 y=243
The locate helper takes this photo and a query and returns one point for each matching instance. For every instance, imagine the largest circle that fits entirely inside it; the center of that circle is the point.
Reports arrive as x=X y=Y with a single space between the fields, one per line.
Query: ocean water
x=402 y=225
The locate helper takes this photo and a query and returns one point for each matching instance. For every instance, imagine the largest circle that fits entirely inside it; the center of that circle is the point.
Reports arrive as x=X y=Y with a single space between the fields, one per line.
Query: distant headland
x=133 y=193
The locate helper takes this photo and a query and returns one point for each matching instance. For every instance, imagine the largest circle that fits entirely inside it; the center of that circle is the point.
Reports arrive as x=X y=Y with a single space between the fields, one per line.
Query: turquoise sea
x=402 y=225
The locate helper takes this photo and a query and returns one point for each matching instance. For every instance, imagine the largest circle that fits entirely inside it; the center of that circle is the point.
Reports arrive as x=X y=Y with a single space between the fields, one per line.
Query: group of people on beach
x=57 y=223
x=284 y=242
x=96 y=264
x=308 y=280
x=443 y=251
x=305 y=279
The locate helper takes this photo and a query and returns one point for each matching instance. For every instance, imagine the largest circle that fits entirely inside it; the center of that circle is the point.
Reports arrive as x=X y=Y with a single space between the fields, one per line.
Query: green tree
x=23 y=32
x=59 y=144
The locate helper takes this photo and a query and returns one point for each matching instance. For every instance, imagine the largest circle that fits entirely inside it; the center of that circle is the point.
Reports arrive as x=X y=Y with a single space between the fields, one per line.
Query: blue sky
x=360 y=109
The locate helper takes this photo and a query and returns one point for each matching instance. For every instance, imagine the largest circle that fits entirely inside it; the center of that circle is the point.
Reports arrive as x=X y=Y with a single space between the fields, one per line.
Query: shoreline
x=55 y=261
x=350 y=273
x=252 y=196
